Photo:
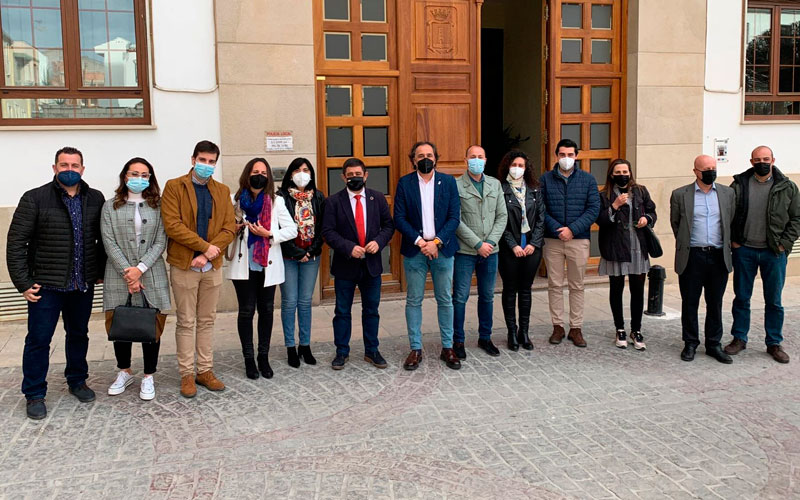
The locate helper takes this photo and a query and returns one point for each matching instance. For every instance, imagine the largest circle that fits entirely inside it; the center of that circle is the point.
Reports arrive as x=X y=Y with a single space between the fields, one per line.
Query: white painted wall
x=185 y=110
x=724 y=102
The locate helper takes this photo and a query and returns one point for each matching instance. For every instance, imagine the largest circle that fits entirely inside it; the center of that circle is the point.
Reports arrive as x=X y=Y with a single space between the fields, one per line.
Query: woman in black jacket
x=626 y=209
x=300 y=257
x=521 y=245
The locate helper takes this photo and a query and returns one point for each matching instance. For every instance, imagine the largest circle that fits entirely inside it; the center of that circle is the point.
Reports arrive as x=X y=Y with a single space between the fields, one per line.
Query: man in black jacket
x=55 y=256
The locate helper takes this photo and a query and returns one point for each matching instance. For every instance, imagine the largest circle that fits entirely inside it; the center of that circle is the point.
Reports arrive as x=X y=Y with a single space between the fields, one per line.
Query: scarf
x=519 y=189
x=258 y=210
x=303 y=215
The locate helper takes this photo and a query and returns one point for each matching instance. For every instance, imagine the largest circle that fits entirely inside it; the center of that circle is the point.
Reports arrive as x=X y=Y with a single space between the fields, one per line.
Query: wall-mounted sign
x=279 y=140
x=721 y=150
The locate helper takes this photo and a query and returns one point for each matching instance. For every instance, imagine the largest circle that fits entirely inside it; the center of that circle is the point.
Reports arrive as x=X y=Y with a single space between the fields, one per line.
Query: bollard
x=655 y=291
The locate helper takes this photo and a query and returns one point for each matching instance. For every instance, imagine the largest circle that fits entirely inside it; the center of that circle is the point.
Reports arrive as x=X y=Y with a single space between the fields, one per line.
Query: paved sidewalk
x=558 y=422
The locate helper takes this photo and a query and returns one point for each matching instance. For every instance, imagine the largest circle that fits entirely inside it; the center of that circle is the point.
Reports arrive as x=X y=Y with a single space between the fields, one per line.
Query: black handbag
x=651 y=242
x=131 y=323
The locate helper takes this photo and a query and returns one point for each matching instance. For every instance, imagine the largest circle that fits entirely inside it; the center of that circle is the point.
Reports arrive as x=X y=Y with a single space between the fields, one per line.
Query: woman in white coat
x=256 y=262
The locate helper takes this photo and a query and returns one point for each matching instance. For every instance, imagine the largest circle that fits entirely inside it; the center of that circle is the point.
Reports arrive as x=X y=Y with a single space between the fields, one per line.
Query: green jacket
x=783 y=210
x=483 y=219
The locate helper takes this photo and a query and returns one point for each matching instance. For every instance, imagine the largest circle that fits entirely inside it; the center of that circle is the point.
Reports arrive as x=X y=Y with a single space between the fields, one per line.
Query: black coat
x=339 y=231
x=40 y=241
x=535 y=211
x=614 y=241
x=289 y=249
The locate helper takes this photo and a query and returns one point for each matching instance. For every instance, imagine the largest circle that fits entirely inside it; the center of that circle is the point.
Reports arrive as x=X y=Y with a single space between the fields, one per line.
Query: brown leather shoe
x=413 y=360
x=558 y=334
x=778 y=354
x=450 y=358
x=735 y=347
x=188 y=389
x=209 y=381
x=576 y=336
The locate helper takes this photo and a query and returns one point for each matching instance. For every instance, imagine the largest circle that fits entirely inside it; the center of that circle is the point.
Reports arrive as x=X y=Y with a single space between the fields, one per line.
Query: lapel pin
x=440 y=182
x=371 y=198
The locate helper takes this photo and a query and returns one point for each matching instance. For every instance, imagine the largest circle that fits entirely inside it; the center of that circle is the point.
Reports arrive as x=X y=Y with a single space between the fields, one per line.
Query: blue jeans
x=370 y=289
x=75 y=308
x=441 y=269
x=746 y=263
x=486 y=272
x=296 y=293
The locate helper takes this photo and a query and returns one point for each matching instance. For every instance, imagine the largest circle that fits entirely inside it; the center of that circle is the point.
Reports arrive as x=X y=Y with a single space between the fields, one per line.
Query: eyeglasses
x=137 y=175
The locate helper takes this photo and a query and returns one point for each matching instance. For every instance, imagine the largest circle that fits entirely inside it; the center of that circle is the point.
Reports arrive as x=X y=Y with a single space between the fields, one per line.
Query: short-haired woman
x=134 y=239
x=626 y=209
x=256 y=260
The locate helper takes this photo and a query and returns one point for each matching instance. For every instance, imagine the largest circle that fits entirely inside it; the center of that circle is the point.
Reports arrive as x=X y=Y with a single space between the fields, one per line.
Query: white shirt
x=426 y=197
x=363 y=206
x=136 y=199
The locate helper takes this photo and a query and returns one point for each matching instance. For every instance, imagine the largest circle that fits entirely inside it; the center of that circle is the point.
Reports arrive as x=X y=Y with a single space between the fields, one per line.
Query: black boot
x=294 y=360
x=509 y=312
x=250 y=368
x=263 y=365
x=304 y=351
x=524 y=320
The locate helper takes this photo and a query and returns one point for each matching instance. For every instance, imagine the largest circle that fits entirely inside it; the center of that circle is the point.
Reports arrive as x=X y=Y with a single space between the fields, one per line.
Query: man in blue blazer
x=357 y=225
x=427 y=213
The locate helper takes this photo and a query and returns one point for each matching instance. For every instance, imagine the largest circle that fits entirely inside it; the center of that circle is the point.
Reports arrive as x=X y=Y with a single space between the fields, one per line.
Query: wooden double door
x=393 y=72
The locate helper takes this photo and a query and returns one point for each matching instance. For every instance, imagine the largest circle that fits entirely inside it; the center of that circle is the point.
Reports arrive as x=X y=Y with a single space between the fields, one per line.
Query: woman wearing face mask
x=256 y=259
x=300 y=257
x=626 y=208
x=521 y=244
x=134 y=239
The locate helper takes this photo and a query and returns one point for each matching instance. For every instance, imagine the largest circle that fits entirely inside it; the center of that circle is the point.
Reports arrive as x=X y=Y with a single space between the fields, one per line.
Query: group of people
x=65 y=238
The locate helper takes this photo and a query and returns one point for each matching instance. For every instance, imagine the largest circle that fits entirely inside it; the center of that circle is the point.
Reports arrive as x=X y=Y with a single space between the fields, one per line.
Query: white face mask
x=566 y=164
x=301 y=179
x=516 y=172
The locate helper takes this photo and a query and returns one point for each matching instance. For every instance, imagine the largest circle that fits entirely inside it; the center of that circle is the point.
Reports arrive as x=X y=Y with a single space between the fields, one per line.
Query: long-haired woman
x=134 y=239
x=301 y=257
x=521 y=245
x=256 y=259
x=626 y=209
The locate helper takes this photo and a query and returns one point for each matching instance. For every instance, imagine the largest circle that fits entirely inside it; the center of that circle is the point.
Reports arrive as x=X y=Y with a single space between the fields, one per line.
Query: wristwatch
x=438 y=242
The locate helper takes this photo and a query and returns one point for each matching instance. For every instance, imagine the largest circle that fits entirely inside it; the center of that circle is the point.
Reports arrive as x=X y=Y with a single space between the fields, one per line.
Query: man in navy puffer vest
x=573 y=204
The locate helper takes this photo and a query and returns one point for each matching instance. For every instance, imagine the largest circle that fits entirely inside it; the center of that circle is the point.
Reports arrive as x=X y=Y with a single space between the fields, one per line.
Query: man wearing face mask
x=357 y=225
x=427 y=213
x=701 y=215
x=483 y=220
x=765 y=227
x=55 y=256
x=573 y=204
x=199 y=221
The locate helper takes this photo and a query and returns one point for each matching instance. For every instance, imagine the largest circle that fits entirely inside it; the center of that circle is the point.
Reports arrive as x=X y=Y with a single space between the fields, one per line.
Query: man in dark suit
x=357 y=225
x=701 y=215
x=427 y=213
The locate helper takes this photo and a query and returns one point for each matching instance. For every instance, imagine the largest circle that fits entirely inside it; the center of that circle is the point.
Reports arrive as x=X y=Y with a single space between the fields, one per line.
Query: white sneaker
x=124 y=379
x=620 y=340
x=148 y=389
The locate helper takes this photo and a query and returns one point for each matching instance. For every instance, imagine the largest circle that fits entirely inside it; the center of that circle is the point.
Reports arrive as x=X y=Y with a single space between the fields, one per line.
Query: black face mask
x=708 y=176
x=762 y=168
x=258 y=181
x=621 y=180
x=355 y=183
x=425 y=166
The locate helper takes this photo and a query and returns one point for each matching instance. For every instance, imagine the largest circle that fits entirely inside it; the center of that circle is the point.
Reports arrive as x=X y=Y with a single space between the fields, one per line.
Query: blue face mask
x=202 y=170
x=69 y=177
x=476 y=165
x=137 y=184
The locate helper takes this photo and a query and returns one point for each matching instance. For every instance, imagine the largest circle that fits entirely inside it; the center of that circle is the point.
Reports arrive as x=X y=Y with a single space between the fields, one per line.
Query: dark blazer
x=613 y=240
x=289 y=249
x=40 y=247
x=339 y=231
x=535 y=211
x=408 y=212
x=681 y=206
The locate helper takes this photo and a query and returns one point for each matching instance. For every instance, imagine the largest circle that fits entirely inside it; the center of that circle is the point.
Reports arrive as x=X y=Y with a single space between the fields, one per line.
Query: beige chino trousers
x=575 y=254
x=196 y=298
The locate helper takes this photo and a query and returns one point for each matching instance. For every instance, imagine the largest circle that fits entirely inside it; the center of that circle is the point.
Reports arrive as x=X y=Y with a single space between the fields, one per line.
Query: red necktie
x=362 y=231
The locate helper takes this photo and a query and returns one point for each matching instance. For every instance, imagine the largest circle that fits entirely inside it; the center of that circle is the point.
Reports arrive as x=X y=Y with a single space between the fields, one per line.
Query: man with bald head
x=765 y=227
x=701 y=215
